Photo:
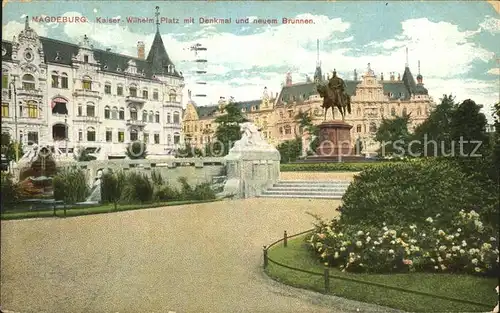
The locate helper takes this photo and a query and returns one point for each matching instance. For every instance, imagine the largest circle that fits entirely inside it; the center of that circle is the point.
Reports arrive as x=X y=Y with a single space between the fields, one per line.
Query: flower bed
x=466 y=246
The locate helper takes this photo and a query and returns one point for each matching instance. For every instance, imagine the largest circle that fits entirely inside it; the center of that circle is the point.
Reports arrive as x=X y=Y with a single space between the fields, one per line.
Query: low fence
x=327 y=275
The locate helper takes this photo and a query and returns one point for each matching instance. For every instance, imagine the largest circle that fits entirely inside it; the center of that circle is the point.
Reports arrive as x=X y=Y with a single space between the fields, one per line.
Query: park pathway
x=183 y=259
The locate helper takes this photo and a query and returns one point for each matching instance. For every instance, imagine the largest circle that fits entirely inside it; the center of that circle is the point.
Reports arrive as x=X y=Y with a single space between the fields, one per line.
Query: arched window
x=90 y=109
x=151 y=117
x=32 y=109
x=172 y=96
x=114 y=113
x=419 y=111
x=155 y=94
x=373 y=128
x=176 y=118
x=288 y=130
x=132 y=90
x=64 y=80
x=55 y=79
x=358 y=128
x=87 y=83
x=358 y=111
x=91 y=134
x=134 y=135
x=59 y=105
x=28 y=82
x=107 y=112
x=157 y=117
x=169 y=118
x=121 y=115
x=404 y=111
x=133 y=114
x=144 y=116
x=80 y=109
x=281 y=130
x=177 y=138
x=169 y=139
x=145 y=93
x=393 y=112
x=119 y=90
x=107 y=88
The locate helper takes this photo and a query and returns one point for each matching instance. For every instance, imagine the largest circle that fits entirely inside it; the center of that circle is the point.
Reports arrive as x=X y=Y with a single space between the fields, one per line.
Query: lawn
x=465 y=287
x=76 y=211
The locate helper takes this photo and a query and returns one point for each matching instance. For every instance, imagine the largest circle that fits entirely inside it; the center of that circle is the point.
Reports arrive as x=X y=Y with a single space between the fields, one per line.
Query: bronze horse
x=330 y=100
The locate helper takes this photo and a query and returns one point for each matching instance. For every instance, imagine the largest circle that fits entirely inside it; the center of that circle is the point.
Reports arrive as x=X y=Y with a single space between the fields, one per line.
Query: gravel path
x=185 y=259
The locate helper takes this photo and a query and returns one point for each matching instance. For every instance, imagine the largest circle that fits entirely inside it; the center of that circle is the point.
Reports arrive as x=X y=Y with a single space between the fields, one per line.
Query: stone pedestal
x=335 y=139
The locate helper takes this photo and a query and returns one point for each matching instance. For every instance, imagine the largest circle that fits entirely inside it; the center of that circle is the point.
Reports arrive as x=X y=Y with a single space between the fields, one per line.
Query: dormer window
x=86 y=59
x=58 y=57
x=118 y=69
x=105 y=67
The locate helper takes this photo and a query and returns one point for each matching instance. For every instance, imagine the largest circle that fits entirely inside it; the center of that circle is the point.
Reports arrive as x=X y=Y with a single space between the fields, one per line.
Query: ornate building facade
x=75 y=96
x=372 y=99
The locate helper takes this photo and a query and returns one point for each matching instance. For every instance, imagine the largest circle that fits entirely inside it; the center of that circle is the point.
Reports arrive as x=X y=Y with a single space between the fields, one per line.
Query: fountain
x=95 y=192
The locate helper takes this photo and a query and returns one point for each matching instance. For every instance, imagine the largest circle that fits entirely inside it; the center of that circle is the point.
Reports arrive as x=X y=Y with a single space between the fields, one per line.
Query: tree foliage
x=228 y=128
x=8 y=147
x=393 y=136
x=305 y=124
x=290 y=150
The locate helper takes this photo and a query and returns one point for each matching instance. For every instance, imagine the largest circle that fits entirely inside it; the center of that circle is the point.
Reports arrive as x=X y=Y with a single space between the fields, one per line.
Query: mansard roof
x=208 y=111
x=60 y=52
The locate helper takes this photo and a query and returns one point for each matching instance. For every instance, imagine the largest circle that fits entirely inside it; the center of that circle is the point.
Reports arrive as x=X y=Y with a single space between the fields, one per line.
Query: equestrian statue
x=334 y=95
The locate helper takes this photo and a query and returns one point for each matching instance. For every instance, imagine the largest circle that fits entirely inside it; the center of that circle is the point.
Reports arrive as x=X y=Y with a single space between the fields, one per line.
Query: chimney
x=392 y=76
x=141 y=50
x=381 y=76
x=355 y=75
x=399 y=76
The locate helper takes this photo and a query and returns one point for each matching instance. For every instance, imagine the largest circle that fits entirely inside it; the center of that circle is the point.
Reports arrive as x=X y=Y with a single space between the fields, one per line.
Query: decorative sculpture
x=334 y=95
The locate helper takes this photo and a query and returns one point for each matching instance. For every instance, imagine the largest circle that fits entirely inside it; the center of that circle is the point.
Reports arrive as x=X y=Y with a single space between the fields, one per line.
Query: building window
x=64 y=80
x=419 y=111
x=281 y=130
x=107 y=89
x=358 y=128
x=122 y=114
x=151 y=117
x=281 y=114
x=157 y=138
x=169 y=118
x=393 y=112
x=157 y=117
x=169 y=139
x=90 y=134
x=86 y=58
x=172 y=97
x=288 y=130
x=144 y=116
x=90 y=110
x=33 y=137
x=119 y=90
x=133 y=135
x=5 y=110
x=404 y=111
x=55 y=80
x=109 y=136
x=177 y=138
x=121 y=136
x=28 y=82
x=32 y=110
x=106 y=112
x=133 y=114
x=87 y=83
x=5 y=79
x=290 y=113
x=373 y=128
x=80 y=135
x=132 y=91
x=59 y=106
x=176 y=118
x=155 y=95
x=195 y=128
x=145 y=138
x=80 y=110
x=145 y=94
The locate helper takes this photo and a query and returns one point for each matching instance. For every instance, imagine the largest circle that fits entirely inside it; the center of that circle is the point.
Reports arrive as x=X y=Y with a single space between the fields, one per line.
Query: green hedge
x=70 y=185
x=411 y=192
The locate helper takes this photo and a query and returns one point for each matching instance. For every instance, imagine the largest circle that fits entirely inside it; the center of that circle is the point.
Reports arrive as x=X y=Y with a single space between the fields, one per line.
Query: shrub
x=110 y=188
x=137 y=188
x=203 y=192
x=290 y=150
x=157 y=178
x=70 y=185
x=186 y=192
x=9 y=190
x=165 y=193
x=136 y=150
x=464 y=246
x=408 y=192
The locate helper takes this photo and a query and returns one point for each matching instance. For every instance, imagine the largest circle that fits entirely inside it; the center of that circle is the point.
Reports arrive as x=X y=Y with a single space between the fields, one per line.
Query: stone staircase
x=328 y=189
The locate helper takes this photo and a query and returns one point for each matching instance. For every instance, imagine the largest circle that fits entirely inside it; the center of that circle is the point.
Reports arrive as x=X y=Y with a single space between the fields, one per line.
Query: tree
x=110 y=189
x=8 y=147
x=495 y=151
x=393 y=136
x=433 y=136
x=136 y=150
x=305 y=123
x=228 y=129
x=290 y=150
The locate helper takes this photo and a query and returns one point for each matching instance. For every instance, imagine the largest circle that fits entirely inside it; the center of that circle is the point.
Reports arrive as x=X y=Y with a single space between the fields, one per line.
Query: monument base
x=335 y=139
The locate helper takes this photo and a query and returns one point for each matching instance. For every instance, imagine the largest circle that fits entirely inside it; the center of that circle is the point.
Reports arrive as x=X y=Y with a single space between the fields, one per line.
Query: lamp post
x=66 y=133
x=16 y=144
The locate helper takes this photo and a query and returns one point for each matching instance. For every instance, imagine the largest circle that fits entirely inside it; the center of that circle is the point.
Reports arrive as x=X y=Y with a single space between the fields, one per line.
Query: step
x=339 y=181
x=310 y=186
x=299 y=188
x=308 y=193
x=300 y=196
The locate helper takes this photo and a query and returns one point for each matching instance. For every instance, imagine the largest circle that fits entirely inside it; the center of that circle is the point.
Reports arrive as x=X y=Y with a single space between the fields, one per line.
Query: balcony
x=171 y=104
x=30 y=121
x=29 y=92
x=86 y=93
x=87 y=119
x=136 y=123
x=134 y=100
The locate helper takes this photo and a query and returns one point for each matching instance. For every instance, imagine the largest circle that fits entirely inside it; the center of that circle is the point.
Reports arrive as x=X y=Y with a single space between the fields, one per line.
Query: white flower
x=392 y=242
x=493 y=239
x=384 y=223
x=474 y=261
x=459 y=230
x=486 y=246
x=360 y=233
x=423 y=234
x=361 y=264
x=429 y=219
x=442 y=248
x=385 y=228
x=435 y=267
x=433 y=260
x=450 y=237
x=443 y=267
x=351 y=260
x=392 y=233
x=438 y=215
x=391 y=251
x=464 y=244
x=342 y=248
x=412 y=227
x=462 y=251
x=440 y=259
x=336 y=255
x=448 y=255
x=477 y=269
x=457 y=234
x=376 y=243
x=441 y=232
x=368 y=239
x=359 y=244
x=455 y=248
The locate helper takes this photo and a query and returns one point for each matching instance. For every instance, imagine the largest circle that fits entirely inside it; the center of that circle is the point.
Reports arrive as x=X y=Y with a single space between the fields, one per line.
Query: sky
x=457 y=43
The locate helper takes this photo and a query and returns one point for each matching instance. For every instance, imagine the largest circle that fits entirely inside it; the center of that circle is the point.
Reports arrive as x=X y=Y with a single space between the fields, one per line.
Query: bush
x=9 y=190
x=137 y=188
x=203 y=192
x=110 y=188
x=290 y=150
x=157 y=178
x=463 y=246
x=70 y=185
x=409 y=192
x=165 y=193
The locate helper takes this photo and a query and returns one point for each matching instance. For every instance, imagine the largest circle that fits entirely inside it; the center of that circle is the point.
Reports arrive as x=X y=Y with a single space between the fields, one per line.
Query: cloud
x=494 y=71
x=13 y=28
x=490 y=24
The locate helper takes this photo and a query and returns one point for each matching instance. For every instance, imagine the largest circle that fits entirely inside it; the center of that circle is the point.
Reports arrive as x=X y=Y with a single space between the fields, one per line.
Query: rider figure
x=336 y=83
